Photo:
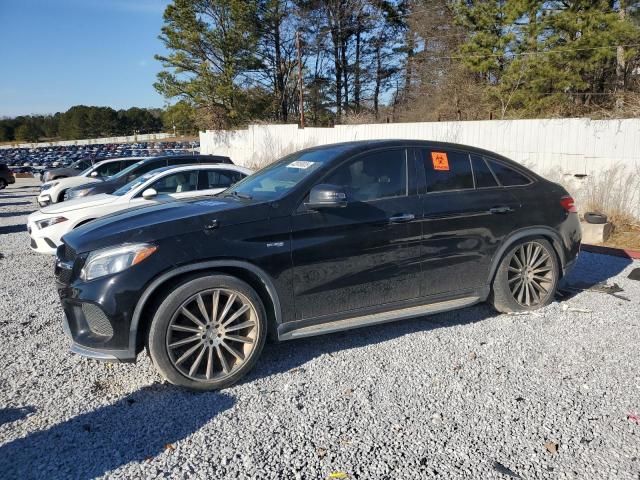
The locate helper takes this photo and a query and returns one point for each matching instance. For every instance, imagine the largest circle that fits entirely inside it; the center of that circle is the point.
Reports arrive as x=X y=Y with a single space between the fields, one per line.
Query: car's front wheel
x=3 y=184
x=527 y=277
x=208 y=333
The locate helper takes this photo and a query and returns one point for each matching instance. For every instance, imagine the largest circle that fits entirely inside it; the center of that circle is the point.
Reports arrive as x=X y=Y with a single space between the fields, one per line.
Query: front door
x=367 y=253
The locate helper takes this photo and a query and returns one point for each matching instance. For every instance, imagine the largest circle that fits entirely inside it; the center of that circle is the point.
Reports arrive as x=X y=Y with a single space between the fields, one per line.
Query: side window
x=84 y=165
x=482 y=173
x=177 y=183
x=108 y=169
x=508 y=177
x=221 y=178
x=373 y=176
x=147 y=167
x=447 y=170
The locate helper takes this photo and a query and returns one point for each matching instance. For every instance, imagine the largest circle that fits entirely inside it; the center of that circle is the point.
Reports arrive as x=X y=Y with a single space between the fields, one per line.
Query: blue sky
x=60 y=53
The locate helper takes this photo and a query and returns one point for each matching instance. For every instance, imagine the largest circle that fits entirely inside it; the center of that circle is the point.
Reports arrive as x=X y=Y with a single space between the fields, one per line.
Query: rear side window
x=484 y=177
x=508 y=177
x=220 y=178
x=373 y=176
x=447 y=170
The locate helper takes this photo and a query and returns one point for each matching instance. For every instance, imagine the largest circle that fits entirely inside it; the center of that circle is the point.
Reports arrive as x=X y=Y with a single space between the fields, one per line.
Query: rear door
x=367 y=253
x=467 y=214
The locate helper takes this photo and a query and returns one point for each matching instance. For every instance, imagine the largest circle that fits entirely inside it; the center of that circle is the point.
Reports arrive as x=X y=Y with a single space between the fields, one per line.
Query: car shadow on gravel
x=13 y=229
x=287 y=356
x=138 y=427
x=16 y=214
x=8 y=415
x=13 y=204
x=590 y=270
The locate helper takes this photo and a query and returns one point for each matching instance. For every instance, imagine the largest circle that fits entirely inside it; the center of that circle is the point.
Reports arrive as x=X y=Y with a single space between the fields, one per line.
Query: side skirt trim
x=377 y=318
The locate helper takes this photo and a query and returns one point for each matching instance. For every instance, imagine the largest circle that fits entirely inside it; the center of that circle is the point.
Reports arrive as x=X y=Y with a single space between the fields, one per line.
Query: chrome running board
x=377 y=318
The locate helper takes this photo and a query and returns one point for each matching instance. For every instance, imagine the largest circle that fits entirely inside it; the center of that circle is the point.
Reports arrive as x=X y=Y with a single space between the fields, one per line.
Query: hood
x=99 y=185
x=154 y=223
x=76 y=203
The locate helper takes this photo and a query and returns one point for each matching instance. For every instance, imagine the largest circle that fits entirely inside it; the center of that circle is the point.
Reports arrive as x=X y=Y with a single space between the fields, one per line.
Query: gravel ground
x=467 y=394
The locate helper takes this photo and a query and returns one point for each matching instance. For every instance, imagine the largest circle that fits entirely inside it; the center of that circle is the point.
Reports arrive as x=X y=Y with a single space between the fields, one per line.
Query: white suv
x=53 y=191
x=165 y=184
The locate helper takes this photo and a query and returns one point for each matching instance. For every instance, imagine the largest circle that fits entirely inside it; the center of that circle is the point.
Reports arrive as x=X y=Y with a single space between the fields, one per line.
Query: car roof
x=358 y=146
x=200 y=166
x=116 y=159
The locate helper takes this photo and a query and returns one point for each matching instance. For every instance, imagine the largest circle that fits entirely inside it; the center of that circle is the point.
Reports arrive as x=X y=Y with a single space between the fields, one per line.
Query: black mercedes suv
x=326 y=239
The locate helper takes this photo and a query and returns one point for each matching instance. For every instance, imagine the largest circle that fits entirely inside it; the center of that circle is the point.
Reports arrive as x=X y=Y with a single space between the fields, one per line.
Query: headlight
x=47 y=186
x=47 y=222
x=115 y=259
x=77 y=193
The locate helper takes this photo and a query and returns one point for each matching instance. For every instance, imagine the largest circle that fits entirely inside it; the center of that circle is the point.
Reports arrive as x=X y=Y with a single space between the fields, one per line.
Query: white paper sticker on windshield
x=301 y=164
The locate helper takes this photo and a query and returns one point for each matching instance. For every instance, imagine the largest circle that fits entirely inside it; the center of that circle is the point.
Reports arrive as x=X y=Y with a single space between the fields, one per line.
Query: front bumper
x=42 y=242
x=98 y=312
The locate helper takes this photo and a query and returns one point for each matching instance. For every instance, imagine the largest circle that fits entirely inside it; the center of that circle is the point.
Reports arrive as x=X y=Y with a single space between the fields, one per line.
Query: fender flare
x=194 y=267
x=537 y=231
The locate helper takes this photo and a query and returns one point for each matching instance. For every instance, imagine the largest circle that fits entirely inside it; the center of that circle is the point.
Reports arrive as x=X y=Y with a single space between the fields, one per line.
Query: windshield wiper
x=237 y=194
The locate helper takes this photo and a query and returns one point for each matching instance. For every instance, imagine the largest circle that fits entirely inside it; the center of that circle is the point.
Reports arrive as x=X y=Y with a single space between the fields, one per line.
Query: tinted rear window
x=447 y=170
x=484 y=177
x=508 y=177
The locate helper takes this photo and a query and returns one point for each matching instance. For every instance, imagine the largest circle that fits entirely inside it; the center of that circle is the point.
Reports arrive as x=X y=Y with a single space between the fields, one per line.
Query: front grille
x=65 y=262
x=68 y=253
x=97 y=320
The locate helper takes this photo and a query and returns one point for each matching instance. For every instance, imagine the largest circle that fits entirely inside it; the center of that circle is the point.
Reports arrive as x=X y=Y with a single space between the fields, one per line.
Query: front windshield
x=273 y=181
x=133 y=184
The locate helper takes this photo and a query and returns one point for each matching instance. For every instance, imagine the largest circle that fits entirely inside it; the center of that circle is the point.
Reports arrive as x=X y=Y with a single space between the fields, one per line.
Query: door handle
x=405 y=217
x=498 y=210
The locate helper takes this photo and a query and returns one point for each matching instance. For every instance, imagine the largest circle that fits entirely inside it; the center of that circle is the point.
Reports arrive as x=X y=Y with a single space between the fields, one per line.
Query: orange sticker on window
x=440 y=161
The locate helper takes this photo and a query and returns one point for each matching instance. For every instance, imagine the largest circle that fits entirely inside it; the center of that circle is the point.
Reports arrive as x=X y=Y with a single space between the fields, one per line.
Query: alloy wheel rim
x=212 y=334
x=530 y=274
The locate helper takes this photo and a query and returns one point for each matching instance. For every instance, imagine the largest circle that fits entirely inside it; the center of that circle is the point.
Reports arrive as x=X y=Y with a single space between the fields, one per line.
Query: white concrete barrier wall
x=574 y=145
x=93 y=141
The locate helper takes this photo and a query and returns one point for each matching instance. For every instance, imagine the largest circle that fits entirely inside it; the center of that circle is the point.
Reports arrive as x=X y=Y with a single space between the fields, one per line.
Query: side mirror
x=94 y=174
x=327 y=196
x=149 y=193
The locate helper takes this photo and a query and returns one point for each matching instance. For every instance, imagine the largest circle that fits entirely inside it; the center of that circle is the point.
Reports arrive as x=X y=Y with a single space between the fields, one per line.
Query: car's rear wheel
x=527 y=277
x=3 y=184
x=208 y=333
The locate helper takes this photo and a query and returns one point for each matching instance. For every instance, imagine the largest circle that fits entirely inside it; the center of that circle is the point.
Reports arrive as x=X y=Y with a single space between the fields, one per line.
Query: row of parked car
x=118 y=184
x=58 y=156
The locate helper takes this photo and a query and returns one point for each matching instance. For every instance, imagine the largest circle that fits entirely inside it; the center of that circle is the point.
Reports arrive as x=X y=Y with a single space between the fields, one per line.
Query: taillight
x=569 y=204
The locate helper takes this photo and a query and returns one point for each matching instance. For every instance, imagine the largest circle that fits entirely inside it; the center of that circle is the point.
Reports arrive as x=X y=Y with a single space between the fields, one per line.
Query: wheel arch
x=156 y=291
x=530 y=232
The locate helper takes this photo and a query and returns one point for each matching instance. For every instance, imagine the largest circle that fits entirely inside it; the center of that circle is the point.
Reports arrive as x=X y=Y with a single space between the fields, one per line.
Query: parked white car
x=166 y=184
x=53 y=191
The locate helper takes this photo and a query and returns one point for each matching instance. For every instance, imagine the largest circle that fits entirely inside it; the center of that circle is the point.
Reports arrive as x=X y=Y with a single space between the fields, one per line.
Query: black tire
x=505 y=295
x=168 y=343
x=3 y=184
x=61 y=196
x=595 y=218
